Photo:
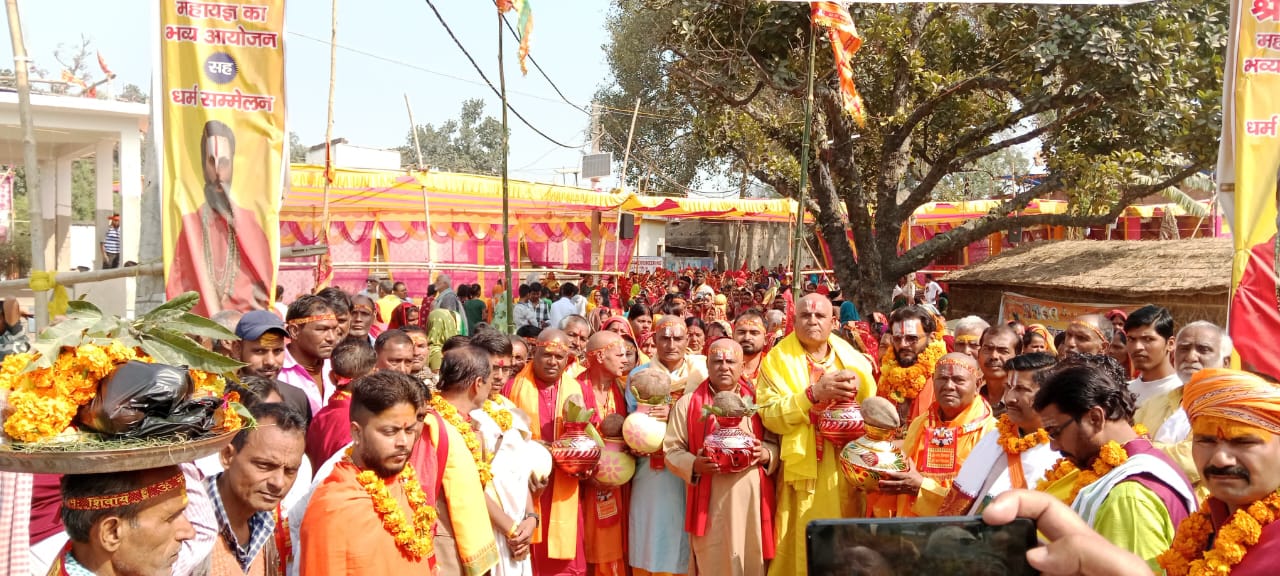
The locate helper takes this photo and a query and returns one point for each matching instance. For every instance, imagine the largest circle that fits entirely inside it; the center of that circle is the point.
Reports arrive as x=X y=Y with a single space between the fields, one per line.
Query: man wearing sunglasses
x=1127 y=490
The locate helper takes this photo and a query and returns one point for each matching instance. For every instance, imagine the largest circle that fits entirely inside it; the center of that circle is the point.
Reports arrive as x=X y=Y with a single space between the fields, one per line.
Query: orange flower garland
x=44 y=401
x=1187 y=555
x=1111 y=455
x=416 y=539
x=1014 y=444
x=902 y=384
x=499 y=414
x=451 y=415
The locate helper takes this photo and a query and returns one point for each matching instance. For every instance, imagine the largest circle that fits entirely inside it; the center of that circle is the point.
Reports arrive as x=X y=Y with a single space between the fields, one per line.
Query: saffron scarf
x=561 y=522
x=698 y=496
x=464 y=495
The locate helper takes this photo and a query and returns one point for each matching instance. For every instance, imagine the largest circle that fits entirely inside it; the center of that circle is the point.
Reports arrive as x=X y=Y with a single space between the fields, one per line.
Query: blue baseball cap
x=258 y=322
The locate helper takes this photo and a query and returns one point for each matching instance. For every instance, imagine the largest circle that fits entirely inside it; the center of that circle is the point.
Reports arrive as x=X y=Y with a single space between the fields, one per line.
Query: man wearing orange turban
x=1235 y=427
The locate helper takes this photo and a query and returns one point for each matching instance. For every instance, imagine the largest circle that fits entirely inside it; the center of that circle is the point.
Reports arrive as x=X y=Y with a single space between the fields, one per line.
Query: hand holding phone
x=920 y=546
x=1073 y=547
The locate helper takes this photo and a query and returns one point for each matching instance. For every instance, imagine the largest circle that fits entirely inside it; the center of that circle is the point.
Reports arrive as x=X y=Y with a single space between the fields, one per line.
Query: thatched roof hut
x=1191 y=277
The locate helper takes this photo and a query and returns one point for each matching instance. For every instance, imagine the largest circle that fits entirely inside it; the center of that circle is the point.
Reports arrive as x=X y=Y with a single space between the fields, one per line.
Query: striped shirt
x=111 y=243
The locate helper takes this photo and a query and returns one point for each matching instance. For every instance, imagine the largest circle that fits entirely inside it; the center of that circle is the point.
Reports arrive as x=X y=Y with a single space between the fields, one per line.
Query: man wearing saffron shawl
x=540 y=390
x=806 y=371
x=346 y=529
x=728 y=515
x=937 y=442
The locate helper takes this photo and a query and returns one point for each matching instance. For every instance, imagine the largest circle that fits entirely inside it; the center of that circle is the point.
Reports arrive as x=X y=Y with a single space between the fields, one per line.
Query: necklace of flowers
x=1187 y=555
x=451 y=415
x=1111 y=455
x=414 y=540
x=901 y=384
x=499 y=414
x=1014 y=444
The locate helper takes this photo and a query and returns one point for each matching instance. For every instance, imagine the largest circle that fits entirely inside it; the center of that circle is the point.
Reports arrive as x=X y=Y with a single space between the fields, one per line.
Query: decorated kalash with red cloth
x=95 y=410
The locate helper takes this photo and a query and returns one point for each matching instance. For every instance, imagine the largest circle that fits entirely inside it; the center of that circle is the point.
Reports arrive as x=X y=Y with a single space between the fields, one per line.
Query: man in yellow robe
x=806 y=370
x=540 y=390
x=937 y=442
x=465 y=543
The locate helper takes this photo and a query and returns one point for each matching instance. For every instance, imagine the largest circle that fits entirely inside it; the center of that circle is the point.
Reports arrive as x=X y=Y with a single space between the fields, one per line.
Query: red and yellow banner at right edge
x=1248 y=162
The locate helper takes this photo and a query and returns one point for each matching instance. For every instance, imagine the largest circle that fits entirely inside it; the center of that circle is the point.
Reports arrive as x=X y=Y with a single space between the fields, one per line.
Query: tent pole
x=328 y=129
x=30 y=162
x=804 y=163
x=426 y=202
x=506 y=200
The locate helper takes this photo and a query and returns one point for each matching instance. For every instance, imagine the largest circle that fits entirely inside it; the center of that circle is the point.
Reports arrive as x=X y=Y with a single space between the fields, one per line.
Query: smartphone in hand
x=943 y=546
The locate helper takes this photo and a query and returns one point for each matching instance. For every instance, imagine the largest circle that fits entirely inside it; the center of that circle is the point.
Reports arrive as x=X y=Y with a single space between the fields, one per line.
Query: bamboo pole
x=506 y=200
x=804 y=162
x=29 y=160
x=426 y=202
x=72 y=278
x=328 y=129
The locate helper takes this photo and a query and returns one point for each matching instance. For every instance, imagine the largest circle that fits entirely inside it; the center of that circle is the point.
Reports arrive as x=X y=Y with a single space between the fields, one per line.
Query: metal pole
x=29 y=161
x=506 y=201
x=804 y=165
x=426 y=202
x=328 y=130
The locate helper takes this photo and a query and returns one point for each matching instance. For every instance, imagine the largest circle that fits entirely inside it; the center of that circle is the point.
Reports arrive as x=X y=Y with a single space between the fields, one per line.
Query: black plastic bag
x=141 y=400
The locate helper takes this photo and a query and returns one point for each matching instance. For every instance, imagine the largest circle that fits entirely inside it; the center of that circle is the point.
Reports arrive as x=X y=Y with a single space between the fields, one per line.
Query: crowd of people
x=396 y=437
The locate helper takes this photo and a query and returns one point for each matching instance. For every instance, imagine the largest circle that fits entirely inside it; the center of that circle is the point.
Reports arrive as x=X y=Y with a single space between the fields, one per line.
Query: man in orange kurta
x=937 y=442
x=342 y=532
x=540 y=390
x=605 y=508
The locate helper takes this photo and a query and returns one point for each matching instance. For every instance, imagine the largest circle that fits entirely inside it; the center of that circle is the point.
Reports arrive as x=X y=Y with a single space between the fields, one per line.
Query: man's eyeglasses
x=1056 y=432
x=506 y=369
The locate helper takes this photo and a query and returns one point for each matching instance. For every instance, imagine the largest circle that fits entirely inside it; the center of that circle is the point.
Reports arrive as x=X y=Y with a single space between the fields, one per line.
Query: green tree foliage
x=1124 y=100
x=133 y=93
x=472 y=143
x=297 y=150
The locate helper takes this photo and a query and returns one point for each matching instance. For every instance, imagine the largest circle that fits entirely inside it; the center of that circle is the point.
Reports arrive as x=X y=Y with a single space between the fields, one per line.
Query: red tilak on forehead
x=954 y=364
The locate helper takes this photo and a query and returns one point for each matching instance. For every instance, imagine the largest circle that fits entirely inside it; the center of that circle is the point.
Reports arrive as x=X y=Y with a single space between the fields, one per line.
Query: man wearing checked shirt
x=260 y=465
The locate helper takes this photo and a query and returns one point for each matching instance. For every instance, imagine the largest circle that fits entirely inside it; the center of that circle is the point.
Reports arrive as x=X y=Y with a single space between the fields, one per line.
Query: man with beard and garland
x=504 y=430
x=465 y=543
x=373 y=514
x=1016 y=454
x=1235 y=421
x=728 y=515
x=807 y=371
x=1125 y=488
x=607 y=507
x=540 y=390
x=749 y=332
x=906 y=368
x=937 y=443
x=654 y=544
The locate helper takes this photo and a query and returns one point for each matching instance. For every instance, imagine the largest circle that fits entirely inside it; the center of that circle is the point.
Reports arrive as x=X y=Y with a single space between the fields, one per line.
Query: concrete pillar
x=62 y=215
x=130 y=195
x=48 y=197
x=104 y=198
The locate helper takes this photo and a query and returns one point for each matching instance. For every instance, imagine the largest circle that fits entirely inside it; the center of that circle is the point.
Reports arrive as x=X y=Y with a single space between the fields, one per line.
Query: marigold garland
x=902 y=384
x=451 y=415
x=44 y=401
x=1014 y=444
x=1187 y=555
x=499 y=414
x=414 y=540
x=1111 y=455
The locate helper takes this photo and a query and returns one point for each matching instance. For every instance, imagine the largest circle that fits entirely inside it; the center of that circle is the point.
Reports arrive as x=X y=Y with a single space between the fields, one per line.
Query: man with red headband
x=123 y=522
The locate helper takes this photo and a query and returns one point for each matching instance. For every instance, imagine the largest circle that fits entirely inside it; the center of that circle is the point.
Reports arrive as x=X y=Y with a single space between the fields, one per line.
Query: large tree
x=1123 y=101
x=471 y=143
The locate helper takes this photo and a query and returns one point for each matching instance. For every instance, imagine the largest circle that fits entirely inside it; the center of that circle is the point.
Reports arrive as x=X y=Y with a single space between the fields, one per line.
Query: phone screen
x=957 y=546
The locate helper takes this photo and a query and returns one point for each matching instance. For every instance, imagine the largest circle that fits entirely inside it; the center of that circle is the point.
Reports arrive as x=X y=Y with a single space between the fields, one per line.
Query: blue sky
x=369 y=105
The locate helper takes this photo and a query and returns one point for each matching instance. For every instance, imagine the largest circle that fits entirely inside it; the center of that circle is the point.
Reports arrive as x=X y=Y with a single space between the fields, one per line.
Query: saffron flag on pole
x=845 y=42
x=221 y=138
x=524 y=26
x=1249 y=160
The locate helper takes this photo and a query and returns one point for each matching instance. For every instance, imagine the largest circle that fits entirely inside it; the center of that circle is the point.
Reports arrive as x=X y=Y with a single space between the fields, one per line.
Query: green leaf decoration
x=182 y=350
x=188 y=323
x=182 y=303
x=247 y=419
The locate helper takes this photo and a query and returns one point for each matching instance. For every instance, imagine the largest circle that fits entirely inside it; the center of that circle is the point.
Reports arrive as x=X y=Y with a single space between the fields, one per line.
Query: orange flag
x=845 y=42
